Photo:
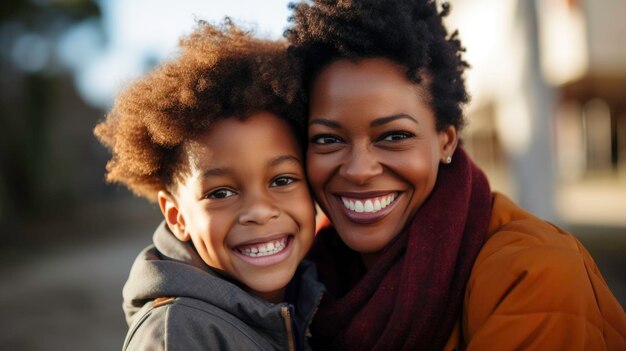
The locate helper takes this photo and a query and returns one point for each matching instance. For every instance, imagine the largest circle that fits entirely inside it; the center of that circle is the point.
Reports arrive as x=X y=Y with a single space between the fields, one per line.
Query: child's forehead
x=258 y=126
x=233 y=140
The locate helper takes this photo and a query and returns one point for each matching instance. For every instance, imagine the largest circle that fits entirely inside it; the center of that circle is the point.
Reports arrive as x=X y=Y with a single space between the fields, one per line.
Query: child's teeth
x=265 y=249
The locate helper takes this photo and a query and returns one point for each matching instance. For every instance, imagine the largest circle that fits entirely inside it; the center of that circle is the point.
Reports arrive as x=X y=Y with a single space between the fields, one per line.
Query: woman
x=421 y=254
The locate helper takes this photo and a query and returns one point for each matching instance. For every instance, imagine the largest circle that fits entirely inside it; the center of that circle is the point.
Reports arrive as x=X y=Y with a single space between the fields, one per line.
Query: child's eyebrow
x=283 y=158
x=217 y=172
x=223 y=171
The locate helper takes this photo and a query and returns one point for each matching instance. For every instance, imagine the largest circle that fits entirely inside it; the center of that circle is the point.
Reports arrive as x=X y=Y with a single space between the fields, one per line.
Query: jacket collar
x=170 y=267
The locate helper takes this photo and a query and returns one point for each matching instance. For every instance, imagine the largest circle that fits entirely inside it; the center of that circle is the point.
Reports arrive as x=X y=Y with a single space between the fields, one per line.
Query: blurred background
x=547 y=123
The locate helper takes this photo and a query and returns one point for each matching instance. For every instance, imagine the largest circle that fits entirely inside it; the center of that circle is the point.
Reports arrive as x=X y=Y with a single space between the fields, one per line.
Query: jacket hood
x=171 y=268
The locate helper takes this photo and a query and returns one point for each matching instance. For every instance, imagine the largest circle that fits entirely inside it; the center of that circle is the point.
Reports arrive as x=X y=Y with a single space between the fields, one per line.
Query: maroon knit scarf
x=412 y=297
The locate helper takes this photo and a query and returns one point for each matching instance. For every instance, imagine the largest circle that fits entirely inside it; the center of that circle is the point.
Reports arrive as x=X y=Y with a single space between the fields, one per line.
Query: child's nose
x=259 y=209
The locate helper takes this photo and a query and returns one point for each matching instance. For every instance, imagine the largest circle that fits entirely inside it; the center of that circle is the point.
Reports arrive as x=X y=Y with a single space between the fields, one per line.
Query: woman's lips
x=265 y=253
x=361 y=208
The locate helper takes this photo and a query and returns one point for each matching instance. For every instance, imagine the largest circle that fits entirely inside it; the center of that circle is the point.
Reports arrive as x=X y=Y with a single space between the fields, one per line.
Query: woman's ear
x=173 y=216
x=448 y=141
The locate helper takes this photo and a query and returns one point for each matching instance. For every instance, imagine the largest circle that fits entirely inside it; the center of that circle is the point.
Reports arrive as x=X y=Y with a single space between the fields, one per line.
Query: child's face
x=245 y=203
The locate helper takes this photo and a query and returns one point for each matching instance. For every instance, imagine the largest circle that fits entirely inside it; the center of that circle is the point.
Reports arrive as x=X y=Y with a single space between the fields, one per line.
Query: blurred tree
x=32 y=79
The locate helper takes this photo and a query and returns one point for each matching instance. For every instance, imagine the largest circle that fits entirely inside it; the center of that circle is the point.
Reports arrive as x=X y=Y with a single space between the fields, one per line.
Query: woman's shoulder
x=537 y=279
x=528 y=261
x=520 y=244
x=522 y=247
x=512 y=230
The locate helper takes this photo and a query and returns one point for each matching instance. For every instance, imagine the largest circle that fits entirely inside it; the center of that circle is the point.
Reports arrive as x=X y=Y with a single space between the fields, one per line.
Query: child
x=211 y=137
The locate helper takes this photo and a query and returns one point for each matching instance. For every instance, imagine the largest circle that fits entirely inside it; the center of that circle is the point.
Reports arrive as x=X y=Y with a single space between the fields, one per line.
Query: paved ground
x=63 y=292
x=68 y=300
x=67 y=296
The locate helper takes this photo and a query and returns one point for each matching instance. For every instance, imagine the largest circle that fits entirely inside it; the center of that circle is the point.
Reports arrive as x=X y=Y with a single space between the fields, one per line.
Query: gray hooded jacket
x=174 y=301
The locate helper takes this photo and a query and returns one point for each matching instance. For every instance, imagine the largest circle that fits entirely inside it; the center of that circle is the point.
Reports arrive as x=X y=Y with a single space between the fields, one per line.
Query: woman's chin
x=367 y=241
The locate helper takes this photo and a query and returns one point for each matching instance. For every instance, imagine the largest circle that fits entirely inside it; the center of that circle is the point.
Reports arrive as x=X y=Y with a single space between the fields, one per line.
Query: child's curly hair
x=221 y=72
x=408 y=32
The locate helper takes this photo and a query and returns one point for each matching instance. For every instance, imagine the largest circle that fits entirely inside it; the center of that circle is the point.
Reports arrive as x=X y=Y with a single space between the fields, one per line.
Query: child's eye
x=325 y=139
x=395 y=136
x=282 y=181
x=221 y=193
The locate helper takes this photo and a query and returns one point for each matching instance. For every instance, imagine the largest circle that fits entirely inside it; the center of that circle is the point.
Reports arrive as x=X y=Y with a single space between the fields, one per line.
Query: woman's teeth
x=263 y=249
x=374 y=204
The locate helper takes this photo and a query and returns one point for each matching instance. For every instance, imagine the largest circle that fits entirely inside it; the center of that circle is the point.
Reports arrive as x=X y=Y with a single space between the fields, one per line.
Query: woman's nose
x=360 y=166
x=258 y=209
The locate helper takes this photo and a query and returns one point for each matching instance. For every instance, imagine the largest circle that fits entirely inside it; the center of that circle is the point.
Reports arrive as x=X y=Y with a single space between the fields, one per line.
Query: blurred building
x=50 y=163
x=548 y=111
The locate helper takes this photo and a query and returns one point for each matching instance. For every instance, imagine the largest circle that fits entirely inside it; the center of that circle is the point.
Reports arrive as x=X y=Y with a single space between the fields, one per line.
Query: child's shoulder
x=190 y=324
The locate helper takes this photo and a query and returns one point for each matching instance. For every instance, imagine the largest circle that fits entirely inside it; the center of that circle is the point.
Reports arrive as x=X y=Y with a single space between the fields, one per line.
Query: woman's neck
x=369 y=259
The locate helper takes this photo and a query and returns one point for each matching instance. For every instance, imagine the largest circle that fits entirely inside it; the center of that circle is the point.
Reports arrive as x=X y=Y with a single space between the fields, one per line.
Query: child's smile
x=266 y=251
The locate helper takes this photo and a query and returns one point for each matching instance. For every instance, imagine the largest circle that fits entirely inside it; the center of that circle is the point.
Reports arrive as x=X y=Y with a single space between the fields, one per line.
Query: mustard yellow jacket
x=535 y=287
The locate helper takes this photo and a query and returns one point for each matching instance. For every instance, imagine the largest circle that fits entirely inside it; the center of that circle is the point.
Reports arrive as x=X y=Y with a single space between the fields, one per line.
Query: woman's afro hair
x=408 y=32
x=221 y=71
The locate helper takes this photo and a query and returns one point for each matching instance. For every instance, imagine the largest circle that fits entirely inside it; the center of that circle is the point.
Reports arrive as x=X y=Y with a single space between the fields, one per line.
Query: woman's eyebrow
x=325 y=122
x=384 y=120
x=375 y=123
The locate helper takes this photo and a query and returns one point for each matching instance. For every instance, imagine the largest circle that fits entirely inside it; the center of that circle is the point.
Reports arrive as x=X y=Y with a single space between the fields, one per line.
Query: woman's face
x=373 y=152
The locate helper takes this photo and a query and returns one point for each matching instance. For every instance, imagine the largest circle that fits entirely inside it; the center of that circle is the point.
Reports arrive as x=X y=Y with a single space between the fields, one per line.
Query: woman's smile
x=367 y=208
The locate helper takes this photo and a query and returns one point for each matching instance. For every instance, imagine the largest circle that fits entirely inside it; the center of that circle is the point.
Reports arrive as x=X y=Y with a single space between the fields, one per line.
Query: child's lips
x=266 y=251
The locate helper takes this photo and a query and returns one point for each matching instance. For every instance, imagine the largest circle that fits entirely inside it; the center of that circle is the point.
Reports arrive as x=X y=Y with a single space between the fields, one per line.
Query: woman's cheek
x=317 y=171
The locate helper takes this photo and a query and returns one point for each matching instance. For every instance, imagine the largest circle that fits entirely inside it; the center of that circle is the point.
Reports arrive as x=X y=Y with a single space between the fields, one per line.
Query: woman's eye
x=221 y=194
x=395 y=136
x=325 y=139
x=282 y=181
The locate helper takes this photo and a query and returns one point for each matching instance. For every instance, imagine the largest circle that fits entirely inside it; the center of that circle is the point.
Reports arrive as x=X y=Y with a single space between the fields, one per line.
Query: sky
x=139 y=33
